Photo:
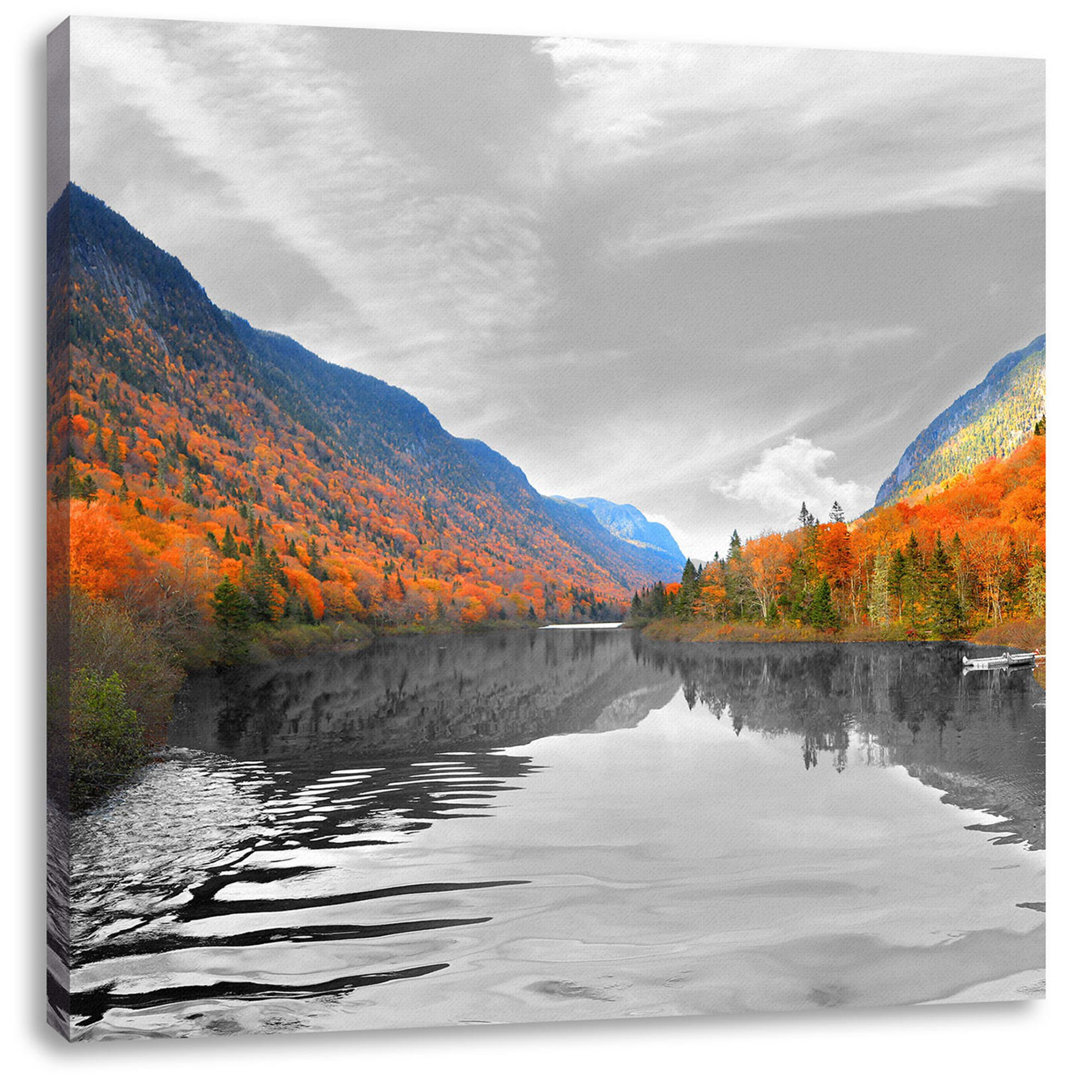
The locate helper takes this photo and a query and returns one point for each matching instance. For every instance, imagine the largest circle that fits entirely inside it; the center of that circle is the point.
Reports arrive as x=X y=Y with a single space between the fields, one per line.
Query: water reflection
x=979 y=737
x=406 y=696
x=433 y=807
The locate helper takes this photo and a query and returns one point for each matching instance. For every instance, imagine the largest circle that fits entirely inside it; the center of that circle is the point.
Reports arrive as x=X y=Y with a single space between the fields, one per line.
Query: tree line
x=938 y=566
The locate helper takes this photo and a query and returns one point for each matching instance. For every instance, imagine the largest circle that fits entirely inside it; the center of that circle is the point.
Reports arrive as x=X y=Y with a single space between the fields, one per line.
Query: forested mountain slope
x=989 y=421
x=186 y=447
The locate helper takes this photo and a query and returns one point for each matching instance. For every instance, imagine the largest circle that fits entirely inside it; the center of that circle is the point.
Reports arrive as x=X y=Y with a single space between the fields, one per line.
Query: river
x=566 y=824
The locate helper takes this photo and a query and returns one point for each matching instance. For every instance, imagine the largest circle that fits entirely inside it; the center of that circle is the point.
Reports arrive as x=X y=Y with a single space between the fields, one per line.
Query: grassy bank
x=704 y=630
x=1026 y=634
x=1029 y=635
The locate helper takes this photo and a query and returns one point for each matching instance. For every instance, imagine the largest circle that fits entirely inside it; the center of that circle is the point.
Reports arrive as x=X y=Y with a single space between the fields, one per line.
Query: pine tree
x=837 y=513
x=911 y=583
x=229 y=548
x=260 y=584
x=823 y=616
x=88 y=490
x=942 y=604
x=233 y=618
x=688 y=591
x=112 y=454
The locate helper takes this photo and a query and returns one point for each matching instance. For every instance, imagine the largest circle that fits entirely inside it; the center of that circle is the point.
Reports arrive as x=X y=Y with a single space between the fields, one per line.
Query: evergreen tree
x=739 y=592
x=942 y=604
x=260 y=584
x=837 y=513
x=911 y=584
x=112 y=454
x=88 y=490
x=688 y=591
x=823 y=616
x=233 y=619
x=229 y=549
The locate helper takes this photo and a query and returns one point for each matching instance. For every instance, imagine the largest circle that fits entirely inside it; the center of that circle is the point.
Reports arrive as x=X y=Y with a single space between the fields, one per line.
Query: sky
x=711 y=281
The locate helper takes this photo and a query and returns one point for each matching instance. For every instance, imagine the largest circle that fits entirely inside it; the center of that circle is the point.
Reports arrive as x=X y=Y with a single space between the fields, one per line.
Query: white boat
x=1005 y=660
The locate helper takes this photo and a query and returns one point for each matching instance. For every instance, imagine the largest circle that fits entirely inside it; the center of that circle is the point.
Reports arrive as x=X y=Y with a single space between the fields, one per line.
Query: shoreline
x=1029 y=635
x=273 y=642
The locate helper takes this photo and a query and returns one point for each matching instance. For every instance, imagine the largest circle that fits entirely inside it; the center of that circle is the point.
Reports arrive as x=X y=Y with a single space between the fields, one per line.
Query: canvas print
x=539 y=529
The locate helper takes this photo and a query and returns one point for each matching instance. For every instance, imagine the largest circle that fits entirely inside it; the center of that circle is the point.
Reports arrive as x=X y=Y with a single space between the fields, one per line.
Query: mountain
x=630 y=524
x=989 y=421
x=199 y=447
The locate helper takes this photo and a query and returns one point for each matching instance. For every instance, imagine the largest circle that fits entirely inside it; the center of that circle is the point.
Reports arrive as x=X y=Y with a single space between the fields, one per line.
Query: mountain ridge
x=627 y=522
x=989 y=420
x=208 y=426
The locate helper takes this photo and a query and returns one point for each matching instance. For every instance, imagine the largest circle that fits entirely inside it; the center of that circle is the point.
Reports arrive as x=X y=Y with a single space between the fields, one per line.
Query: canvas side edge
x=58 y=405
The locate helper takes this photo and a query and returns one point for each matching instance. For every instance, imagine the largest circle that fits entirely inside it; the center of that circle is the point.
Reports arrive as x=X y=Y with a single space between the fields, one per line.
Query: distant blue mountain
x=629 y=524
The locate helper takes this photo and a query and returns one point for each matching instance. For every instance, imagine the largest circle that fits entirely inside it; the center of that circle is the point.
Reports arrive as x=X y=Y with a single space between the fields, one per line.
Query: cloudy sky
x=711 y=281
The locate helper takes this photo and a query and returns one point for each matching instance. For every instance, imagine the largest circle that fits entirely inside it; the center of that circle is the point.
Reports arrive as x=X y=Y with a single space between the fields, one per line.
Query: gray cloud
x=729 y=141
x=637 y=269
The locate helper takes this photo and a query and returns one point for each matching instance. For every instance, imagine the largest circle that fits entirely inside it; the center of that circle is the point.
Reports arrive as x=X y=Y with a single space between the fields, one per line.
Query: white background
x=991 y=1041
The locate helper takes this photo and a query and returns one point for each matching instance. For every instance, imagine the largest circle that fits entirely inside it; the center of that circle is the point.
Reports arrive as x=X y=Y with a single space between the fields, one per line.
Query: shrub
x=110 y=693
x=108 y=741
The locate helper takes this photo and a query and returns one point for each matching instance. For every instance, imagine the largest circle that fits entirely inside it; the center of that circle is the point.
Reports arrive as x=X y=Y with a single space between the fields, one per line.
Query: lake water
x=567 y=824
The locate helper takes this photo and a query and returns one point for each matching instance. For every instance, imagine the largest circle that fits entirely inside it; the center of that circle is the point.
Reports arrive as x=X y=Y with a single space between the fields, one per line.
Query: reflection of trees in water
x=453 y=692
x=977 y=736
